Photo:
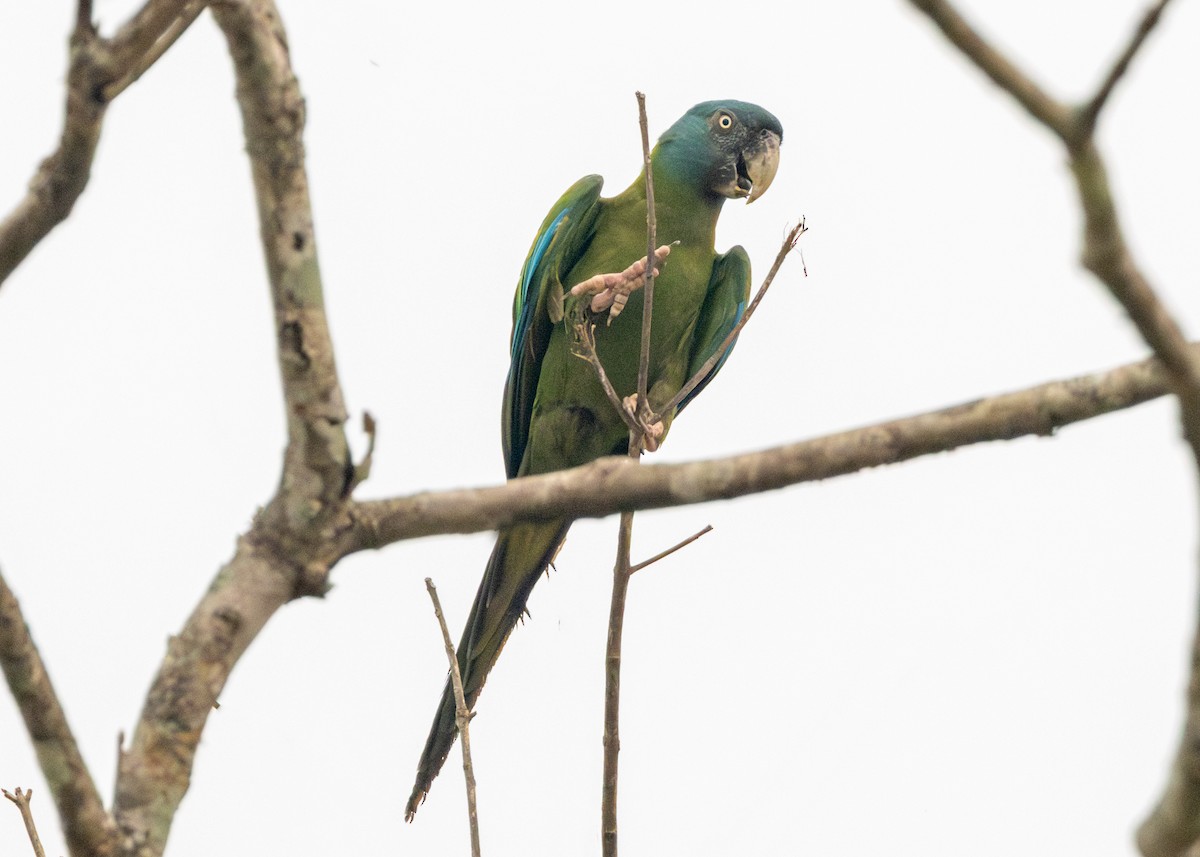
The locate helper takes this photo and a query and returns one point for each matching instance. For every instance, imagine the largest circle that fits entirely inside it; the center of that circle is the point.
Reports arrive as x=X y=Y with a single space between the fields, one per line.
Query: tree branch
x=1174 y=824
x=96 y=66
x=789 y=244
x=1085 y=120
x=676 y=547
x=998 y=67
x=87 y=827
x=286 y=553
x=462 y=716
x=614 y=484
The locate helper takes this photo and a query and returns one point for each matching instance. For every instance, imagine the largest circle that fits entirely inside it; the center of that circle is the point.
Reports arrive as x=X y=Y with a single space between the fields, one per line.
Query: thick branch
x=616 y=484
x=286 y=552
x=87 y=827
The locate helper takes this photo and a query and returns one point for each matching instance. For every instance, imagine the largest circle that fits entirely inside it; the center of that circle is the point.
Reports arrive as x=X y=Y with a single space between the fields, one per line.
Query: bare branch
x=585 y=341
x=995 y=65
x=139 y=64
x=1087 y=115
x=286 y=553
x=664 y=554
x=612 y=678
x=139 y=36
x=88 y=828
x=651 y=244
x=462 y=716
x=1173 y=828
x=83 y=19
x=1173 y=825
x=22 y=799
x=99 y=70
x=1106 y=255
x=614 y=484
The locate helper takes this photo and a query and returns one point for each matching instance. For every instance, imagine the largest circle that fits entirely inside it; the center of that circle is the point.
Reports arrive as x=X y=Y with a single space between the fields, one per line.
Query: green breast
x=573 y=422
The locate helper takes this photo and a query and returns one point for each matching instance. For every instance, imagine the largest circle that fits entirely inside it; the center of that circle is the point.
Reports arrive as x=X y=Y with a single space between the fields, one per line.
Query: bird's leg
x=652 y=432
x=611 y=291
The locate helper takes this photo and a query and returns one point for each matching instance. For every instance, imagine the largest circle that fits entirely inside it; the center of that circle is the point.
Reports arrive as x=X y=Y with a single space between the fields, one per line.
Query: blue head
x=725 y=149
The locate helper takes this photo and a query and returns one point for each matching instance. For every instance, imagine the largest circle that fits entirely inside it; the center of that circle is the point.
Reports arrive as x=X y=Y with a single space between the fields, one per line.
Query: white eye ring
x=726 y=121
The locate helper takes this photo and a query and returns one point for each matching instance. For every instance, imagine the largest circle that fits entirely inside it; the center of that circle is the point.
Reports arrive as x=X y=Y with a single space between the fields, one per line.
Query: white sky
x=983 y=651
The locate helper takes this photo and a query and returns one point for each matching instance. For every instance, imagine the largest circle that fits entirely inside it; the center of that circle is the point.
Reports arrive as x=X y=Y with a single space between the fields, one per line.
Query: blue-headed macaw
x=555 y=413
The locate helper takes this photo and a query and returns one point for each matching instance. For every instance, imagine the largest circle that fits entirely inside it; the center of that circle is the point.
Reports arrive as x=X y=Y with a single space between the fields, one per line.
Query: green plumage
x=555 y=413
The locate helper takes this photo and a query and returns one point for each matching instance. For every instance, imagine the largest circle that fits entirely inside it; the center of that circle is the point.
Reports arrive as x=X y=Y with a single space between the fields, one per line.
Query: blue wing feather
x=728 y=292
x=560 y=241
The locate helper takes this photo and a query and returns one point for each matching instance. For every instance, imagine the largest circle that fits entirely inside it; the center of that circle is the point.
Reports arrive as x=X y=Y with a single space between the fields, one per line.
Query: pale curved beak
x=762 y=162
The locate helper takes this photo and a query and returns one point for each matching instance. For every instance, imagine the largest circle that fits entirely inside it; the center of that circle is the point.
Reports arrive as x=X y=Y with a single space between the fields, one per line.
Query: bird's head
x=727 y=149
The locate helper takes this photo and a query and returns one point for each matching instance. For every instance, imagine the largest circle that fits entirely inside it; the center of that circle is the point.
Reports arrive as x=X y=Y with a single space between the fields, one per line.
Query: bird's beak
x=761 y=158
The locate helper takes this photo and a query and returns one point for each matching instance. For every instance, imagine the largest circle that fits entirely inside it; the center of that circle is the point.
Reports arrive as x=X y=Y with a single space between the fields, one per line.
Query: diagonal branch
x=1044 y=108
x=164 y=36
x=99 y=70
x=614 y=484
x=789 y=244
x=1090 y=112
x=87 y=827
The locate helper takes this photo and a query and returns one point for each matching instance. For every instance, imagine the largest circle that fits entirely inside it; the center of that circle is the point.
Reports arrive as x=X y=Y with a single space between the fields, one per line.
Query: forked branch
x=99 y=70
x=1174 y=826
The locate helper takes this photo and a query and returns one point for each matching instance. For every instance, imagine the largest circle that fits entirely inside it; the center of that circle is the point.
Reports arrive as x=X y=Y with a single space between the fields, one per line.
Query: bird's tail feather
x=520 y=556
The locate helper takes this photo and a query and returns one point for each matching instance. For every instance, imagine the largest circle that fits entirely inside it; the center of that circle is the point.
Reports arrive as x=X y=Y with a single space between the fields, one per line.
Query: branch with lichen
x=99 y=70
x=87 y=827
x=1174 y=826
x=287 y=553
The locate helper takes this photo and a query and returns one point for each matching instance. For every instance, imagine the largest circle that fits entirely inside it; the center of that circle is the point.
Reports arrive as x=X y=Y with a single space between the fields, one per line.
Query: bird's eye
x=725 y=121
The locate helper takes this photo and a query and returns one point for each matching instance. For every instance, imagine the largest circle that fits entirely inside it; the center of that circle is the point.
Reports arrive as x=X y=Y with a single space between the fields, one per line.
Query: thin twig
x=141 y=64
x=462 y=716
x=612 y=687
x=789 y=244
x=643 y=405
x=1090 y=112
x=585 y=339
x=664 y=554
x=621 y=568
x=22 y=799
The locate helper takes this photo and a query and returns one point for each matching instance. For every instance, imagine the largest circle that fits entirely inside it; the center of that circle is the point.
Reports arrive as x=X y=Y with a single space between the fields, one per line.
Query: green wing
x=724 y=306
x=538 y=306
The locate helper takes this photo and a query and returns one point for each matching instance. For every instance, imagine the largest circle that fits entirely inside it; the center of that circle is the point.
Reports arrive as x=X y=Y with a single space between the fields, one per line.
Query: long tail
x=518 y=560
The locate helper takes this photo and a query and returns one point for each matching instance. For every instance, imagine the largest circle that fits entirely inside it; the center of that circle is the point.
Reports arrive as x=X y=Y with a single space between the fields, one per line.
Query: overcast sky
x=977 y=652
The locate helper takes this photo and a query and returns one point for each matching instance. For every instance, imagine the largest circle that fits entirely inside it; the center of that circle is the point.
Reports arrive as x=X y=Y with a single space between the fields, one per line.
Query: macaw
x=555 y=413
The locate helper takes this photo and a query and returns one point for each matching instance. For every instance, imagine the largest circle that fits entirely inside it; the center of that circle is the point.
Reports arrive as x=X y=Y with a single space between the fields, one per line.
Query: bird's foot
x=652 y=432
x=611 y=291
